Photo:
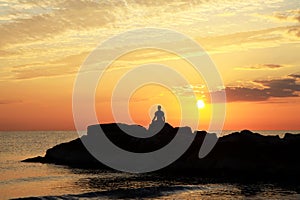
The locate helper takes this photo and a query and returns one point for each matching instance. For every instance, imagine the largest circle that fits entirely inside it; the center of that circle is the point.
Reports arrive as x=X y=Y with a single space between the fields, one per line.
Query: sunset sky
x=254 y=44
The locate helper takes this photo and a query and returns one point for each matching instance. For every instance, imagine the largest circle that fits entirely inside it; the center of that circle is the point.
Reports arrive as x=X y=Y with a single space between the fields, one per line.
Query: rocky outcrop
x=240 y=154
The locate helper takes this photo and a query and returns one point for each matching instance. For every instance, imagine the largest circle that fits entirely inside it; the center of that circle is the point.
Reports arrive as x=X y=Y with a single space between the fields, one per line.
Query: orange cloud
x=261 y=66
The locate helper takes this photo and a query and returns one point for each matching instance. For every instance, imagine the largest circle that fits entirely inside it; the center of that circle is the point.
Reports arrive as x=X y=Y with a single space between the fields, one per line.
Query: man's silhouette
x=159 y=115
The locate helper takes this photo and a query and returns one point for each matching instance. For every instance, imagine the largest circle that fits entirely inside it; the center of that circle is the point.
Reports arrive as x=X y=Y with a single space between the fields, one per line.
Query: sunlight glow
x=200 y=104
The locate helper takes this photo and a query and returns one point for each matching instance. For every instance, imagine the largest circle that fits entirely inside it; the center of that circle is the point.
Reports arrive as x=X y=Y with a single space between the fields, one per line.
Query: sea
x=49 y=181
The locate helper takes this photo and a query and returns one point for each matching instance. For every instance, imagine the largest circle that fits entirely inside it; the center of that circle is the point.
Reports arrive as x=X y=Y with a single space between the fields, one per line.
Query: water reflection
x=149 y=186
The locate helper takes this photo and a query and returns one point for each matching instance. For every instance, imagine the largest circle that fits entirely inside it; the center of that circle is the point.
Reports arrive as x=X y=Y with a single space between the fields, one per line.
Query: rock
x=239 y=154
x=38 y=159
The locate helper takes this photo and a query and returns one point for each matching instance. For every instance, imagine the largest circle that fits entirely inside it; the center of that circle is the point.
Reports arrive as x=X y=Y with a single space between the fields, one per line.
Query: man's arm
x=154 y=117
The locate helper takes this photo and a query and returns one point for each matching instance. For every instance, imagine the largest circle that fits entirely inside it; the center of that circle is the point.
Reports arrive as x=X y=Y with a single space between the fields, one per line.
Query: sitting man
x=159 y=115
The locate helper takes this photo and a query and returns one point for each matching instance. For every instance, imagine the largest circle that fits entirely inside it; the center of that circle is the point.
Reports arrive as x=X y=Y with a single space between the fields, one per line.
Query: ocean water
x=19 y=180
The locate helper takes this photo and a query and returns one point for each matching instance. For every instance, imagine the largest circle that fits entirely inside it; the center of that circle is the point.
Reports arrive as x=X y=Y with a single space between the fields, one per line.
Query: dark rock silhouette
x=240 y=154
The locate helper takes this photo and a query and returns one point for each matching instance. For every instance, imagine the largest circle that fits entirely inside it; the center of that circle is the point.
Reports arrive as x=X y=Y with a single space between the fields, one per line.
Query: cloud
x=38 y=20
x=177 y=3
x=261 y=66
x=36 y=32
x=259 y=90
x=64 y=15
x=285 y=87
x=190 y=90
x=245 y=94
x=294 y=31
x=296 y=76
x=30 y=21
x=289 y=15
x=246 y=40
x=9 y=101
x=282 y=16
x=4 y=53
x=65 y=66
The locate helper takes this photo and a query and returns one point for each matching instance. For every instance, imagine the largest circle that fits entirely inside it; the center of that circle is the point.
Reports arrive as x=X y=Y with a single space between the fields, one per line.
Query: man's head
x=159 y=107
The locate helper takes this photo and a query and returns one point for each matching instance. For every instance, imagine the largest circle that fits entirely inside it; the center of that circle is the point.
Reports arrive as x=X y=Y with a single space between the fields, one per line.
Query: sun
x=200 y=104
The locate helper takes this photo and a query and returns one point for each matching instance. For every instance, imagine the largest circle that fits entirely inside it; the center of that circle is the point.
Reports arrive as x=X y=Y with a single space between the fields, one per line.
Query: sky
x=254 y=45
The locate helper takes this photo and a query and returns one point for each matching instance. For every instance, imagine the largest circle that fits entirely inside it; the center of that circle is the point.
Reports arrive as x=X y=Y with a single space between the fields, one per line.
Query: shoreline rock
x=244 y=154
